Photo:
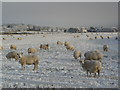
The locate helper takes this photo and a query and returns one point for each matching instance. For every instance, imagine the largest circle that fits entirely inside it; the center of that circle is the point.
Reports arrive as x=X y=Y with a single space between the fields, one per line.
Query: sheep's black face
x=19 y=55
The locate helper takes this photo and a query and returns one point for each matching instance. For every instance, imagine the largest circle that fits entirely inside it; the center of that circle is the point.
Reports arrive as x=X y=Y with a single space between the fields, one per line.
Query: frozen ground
x=57 y=67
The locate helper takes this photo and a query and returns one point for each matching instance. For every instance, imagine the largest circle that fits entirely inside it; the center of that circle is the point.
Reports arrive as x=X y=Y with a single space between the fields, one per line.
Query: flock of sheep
x=91 y=63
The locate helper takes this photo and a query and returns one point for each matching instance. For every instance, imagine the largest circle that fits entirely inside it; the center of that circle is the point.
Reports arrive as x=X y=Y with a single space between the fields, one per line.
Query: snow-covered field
x=57 y=67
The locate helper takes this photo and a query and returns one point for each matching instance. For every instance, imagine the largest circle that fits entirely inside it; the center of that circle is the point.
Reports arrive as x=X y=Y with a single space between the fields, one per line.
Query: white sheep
x=70 y=47
x=13 y=47
x=93 y=55
x=29 y=60
x=32 y=50
x=59 y=43
x=66 y=43
x=91 y=66
x=45 y=46
x=77 y=54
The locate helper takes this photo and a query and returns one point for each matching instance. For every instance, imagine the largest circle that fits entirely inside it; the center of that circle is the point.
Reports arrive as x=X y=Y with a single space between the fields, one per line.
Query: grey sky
x=64 y=14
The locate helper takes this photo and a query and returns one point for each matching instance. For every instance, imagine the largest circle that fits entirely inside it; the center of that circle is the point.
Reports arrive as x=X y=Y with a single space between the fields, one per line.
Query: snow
x=57 y=66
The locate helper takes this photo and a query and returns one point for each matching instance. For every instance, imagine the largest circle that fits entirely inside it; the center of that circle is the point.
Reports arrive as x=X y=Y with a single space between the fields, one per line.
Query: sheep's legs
x=23 y=66
x=98 y=72
x=35 y=66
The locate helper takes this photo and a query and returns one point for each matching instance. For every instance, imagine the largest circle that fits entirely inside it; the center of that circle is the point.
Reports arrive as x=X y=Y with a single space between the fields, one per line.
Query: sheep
x=101 y=36
x=87 y=35
x=95 y=37
x=105 y=48
x=32 y=50
x=13 y=47
x=66 y=43
x=70 y=47
x=19 y=38
x=116 y=38
x=13 y=55
x=108 y=37
x=91 y=66
x=59 y=43
x=29 y=60
x=77 y=54
x=1 y=47
x=44 y=46
x=4 y=38
x=90 y=38
x=93 y=55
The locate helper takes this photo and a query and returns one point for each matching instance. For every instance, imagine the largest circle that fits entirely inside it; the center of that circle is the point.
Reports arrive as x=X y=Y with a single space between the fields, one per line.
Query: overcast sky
x=63 y=14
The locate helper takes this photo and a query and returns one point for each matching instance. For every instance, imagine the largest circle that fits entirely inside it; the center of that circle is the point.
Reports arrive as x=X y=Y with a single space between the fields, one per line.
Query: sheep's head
x=19 y=55
x=82 y=61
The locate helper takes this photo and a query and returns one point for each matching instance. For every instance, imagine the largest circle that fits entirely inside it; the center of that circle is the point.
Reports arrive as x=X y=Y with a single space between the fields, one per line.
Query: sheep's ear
x=21 y=53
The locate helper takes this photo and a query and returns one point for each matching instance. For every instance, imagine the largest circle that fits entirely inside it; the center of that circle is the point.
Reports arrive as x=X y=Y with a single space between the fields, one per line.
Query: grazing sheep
x=105 y=48
x=108 y=37
x=13 y=55
x=101 y=36
x=29 y=60
x=116 y=38
x=59 y=43
x=1 y=47
x=77 y=54
x=87 y=35
x=66 y=43
x=90 y=38
x=32 y=50
x=93 y=55
x=19 y=38
x=13 y=47
x=91 y=66
x=95 y=37
x=4 y=38
x=45 y=46
x=70 y=47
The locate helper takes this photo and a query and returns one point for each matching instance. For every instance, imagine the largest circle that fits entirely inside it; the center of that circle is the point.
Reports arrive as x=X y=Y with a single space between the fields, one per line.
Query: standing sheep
x=13 y=55
x=91 y=66
x=95 y=37
x=66 y=43
x=101 y=36
x=105 y=48
x=108 y=37
x=45 y=46
x=87 y=35
x=77 y=54
x=116 y=38
x=32 y=50
x=4 y=38
x=29 y=60
x=59 y=43
x=70 y=47
x=93 y=55
x=13 y=47
x=19 y=38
